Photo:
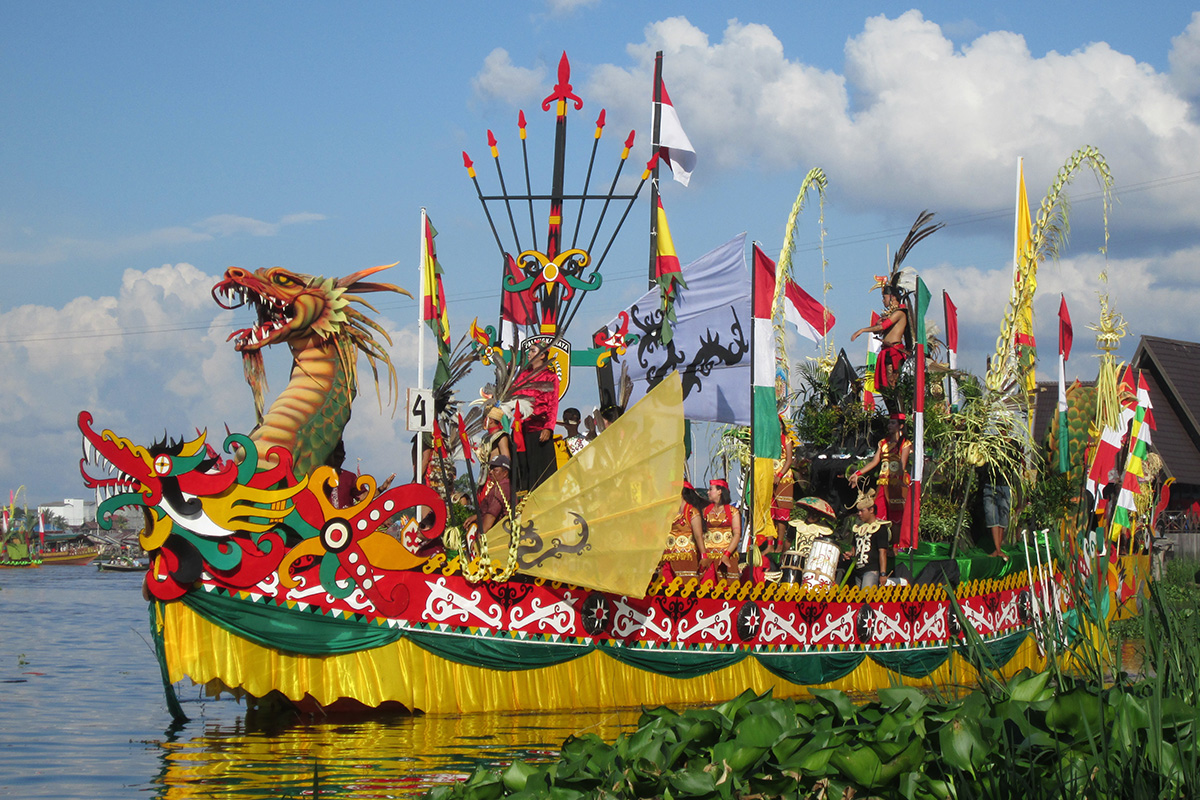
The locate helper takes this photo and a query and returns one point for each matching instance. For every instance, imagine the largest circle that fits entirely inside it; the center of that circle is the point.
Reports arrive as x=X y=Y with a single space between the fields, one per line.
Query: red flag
x=466 y=444
x=1064 y=330
x=951 y=323
x=516 y=429
x=515 y=307
x=439 y=442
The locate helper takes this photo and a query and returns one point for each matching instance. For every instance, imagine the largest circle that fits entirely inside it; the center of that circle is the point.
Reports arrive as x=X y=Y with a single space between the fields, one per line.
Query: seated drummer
x=818 y=523
x=871 y=542
x=717 y=529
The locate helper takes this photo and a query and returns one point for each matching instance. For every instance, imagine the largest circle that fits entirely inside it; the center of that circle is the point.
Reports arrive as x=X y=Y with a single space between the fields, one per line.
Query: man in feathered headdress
x=893 y=351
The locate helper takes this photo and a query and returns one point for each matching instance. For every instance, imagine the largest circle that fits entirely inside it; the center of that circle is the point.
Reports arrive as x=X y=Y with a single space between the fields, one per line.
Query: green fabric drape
x=304 y=632
x=807 y=669
x=315 y=634
x=676 y=663
x=501 y=654
x=912 y=663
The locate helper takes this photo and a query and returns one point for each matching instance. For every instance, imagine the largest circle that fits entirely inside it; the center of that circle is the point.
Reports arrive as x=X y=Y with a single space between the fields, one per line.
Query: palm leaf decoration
x=814 y=180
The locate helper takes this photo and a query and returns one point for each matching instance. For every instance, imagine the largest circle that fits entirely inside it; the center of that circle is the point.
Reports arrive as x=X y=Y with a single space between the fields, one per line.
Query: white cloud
x=501 y=80
x=561 y=8
x=57 y=250
x=1147 y=292
x=1184 y=59
x=915 y=121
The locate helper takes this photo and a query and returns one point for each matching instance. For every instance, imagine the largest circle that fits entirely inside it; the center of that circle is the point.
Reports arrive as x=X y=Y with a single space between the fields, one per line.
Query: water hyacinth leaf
x=736 y=755
x=860 y=765
x=1028 y=687
x=759 y=730
x=693 y=782
x=906 y=761
x=782 y=711
x=517 y=775
x=902 y=698
x=1077 y=713
x=732 y=708
x=963 y=746
x=837 y=702
x=711 y=715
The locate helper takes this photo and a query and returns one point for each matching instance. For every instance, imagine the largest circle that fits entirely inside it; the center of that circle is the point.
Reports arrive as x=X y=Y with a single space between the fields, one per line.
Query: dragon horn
x=362 y=273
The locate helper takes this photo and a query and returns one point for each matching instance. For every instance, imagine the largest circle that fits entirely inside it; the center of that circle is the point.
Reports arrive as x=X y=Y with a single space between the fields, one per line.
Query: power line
x=624 y=276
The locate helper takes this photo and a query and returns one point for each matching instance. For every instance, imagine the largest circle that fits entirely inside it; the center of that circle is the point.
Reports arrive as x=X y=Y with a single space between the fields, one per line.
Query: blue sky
x=147 y=146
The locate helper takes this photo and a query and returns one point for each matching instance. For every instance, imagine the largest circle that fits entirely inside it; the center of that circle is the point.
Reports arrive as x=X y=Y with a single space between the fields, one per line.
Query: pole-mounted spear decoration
x=528 y=185
x=587 y=182
x=553 y=279
x=470 y=165
x=494 y=146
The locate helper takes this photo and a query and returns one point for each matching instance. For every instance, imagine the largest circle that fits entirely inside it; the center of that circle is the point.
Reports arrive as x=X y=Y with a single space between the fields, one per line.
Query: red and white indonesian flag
x=811 y=319
x=765 y=425
x=674 y=145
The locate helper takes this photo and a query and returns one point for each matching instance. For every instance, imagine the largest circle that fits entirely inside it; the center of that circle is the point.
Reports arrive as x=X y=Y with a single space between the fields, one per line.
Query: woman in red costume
x=719 y=527
x=891 y=456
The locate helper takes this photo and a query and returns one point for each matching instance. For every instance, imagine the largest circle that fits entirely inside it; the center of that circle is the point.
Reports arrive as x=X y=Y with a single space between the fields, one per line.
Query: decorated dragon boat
x=264 y=584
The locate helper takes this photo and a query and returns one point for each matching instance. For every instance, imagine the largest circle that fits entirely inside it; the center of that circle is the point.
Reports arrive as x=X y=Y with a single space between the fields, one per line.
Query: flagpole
x=420 y=452
x=654 y=136
x=748 y=520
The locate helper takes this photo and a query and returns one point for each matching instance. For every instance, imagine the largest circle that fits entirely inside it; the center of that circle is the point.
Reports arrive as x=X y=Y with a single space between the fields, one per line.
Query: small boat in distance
x=122 y=564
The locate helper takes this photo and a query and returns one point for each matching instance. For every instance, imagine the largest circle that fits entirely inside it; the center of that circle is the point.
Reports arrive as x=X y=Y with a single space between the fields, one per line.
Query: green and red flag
x=766 y=441
x=433 y=301
x=910 y=526
x=1139 y=448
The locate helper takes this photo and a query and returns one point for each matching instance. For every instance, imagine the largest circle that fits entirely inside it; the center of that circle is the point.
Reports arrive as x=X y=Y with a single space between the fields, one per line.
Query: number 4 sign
x=420 y=410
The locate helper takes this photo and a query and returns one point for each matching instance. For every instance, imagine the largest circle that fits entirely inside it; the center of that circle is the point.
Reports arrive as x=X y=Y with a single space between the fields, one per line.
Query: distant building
x=74 y=512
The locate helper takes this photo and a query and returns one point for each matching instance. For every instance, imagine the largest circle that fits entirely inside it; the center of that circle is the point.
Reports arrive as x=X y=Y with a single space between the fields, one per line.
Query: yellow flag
x=601 y=521
x=764 y=492
x=1025 y=284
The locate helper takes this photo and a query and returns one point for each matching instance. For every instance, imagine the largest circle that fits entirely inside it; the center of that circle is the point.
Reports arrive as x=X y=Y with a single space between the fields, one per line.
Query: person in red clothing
x=891 y=456
x=495 y=497
x=536 y=389
x=892 y=350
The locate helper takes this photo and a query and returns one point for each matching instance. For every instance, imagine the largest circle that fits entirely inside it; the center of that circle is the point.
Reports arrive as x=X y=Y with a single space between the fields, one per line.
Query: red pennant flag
x=516 y=429
x=1064 y=330
x=466 y=444
x=951 y=322
x=439 y=442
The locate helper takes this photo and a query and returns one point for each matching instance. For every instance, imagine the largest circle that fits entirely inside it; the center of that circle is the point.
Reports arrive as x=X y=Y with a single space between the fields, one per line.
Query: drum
x=791 y=566
x=820 y=569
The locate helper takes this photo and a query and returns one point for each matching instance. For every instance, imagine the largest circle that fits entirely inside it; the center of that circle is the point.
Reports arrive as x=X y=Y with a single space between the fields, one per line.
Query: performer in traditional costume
x=872 y=539
x=718 y=528
x=891 y=456
x=682 y=553
x=538 y=386
x=893 y=350
x=818 y=524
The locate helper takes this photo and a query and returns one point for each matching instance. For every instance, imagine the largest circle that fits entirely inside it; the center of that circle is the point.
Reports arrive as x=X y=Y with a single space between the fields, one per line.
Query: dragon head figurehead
x=309 y=314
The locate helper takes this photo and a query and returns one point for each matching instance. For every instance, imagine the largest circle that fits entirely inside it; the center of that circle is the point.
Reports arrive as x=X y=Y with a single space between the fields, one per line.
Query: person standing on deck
x=893 y=351
x=891 y=456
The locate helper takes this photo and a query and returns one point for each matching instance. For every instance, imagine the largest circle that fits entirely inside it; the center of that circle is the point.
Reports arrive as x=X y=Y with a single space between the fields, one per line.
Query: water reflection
x=398 y=756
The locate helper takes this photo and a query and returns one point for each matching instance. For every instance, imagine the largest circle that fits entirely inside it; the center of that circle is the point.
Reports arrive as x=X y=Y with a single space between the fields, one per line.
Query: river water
x=82 y=715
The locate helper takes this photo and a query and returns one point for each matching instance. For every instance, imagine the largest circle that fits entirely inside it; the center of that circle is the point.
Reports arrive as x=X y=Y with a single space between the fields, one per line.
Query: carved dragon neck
x=309 y=415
